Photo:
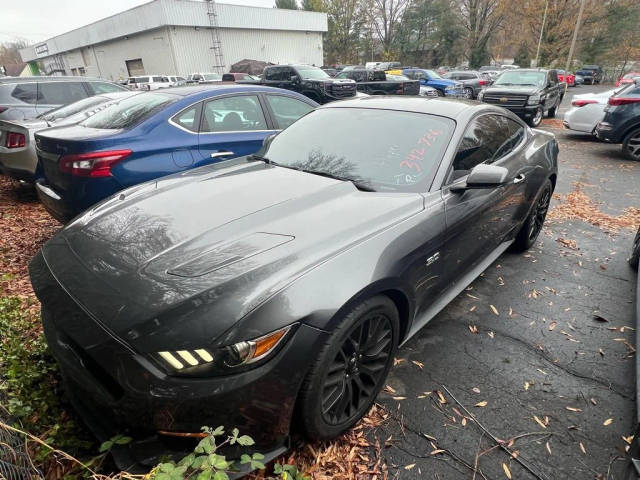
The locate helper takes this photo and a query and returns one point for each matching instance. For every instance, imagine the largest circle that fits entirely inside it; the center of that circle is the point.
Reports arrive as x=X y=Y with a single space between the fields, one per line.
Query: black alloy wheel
x=350 y=371
x=537 y=118
x=468 y=93
x=631 y=145
x=440 y=93
x=532 y=227
x=357 y=369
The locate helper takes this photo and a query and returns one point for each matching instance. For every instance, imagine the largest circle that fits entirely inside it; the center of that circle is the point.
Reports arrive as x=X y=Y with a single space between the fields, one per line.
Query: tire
x=532 y=226
x=537 y=119
x=340 y=374
x=440 y=92
x=631 y=145
x=635 y=252
x=468 y=93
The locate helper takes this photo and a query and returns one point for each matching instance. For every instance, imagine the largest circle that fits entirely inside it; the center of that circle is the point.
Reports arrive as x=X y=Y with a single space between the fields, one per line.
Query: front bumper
x=525 y=112
x=117 y=390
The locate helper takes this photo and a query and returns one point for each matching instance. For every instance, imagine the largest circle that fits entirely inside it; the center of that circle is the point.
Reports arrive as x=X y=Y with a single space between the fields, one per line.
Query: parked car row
x=612 y=116
x=178 y=282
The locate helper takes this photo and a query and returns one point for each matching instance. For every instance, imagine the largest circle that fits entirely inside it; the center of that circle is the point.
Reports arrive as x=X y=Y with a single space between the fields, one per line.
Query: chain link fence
x=15 y=463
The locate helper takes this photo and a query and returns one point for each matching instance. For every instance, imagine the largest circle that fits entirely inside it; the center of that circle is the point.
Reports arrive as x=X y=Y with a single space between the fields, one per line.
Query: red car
x=568 y=78
x=627 y=78
x=234 y=77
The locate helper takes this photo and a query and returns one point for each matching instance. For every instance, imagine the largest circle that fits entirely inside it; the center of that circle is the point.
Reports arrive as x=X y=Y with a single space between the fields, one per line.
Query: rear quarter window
x=60 y=93
x=22 y=92
x=130 y=111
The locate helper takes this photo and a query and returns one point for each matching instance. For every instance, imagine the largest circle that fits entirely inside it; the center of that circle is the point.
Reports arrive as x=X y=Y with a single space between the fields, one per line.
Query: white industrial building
x=179 y=37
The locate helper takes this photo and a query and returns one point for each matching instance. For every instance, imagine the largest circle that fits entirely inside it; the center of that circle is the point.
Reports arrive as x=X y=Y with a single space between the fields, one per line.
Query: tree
x=10 y=51
x=522 y=57
x=385 y=20
x=287 y=4
x=481 y=19
x=345 y=20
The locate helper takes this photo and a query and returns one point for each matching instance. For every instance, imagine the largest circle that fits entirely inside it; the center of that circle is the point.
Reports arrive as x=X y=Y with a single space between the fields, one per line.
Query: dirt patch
x=24 y=227
x=577 y=205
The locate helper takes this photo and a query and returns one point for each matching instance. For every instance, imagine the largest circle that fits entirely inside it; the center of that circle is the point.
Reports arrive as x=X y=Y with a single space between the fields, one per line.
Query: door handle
x=519 y=178
x=221 y=154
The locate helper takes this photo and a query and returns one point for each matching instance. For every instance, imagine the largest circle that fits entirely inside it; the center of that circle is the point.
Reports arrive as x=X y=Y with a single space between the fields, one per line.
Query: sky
x=37 y=20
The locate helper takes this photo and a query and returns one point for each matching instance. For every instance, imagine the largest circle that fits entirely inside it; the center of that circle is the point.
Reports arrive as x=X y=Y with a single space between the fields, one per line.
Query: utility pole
x=575 y=35
x=544 y=20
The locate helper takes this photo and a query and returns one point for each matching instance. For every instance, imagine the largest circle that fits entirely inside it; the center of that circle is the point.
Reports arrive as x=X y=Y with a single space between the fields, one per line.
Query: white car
x=587 y=111
x=176 y=80
x=204 y=77
x=148 y=82
x=426 y=91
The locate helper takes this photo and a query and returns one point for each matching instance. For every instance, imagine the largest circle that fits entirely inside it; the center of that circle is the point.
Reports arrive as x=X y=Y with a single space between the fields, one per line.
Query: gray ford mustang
x=271 y=292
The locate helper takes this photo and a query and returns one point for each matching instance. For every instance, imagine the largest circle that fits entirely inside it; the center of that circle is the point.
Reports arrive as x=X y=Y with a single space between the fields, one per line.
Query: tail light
x=582 y=103
x=15 y=140
x=94 y=164
x=483 y=82
x=614 y=101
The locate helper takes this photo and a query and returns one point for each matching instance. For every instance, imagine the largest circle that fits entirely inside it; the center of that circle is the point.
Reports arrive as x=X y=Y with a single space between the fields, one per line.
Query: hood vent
x=229 y=253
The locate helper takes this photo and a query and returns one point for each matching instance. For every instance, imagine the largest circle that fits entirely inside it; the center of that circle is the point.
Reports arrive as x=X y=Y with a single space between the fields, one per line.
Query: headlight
x=533 y=100
x=226 y=360
x=450 y=87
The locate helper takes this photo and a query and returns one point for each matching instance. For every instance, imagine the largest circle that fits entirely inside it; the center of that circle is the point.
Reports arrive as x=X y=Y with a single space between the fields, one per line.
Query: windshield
x=397 y=78
x=130 y=111
x=521 y=78
x=312 y=72
x=432 y=74
x=72 y=109
x=212 y=77
x=382 y=150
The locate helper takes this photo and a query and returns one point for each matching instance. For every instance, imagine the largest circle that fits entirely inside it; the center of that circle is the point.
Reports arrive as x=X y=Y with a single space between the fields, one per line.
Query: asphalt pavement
x=537 y=352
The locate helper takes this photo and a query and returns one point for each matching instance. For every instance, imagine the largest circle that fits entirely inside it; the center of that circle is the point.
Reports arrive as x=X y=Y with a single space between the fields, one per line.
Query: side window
x=515 y=134
x=634 y=93
x=187 y=118
x=60 y=93
x=287 y=110
x=342 y=75
x=482 y=139
x=104 y=87
x=273 y=74
x=233 y=114
x=26 y=92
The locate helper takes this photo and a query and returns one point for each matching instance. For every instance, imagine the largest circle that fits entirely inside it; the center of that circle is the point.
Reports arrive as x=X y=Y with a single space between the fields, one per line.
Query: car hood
x=519 y=89
x=214 y=242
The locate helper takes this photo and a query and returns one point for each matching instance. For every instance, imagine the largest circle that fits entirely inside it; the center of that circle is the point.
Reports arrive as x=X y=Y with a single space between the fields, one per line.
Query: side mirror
x=636 y=80
x=294 y=79
x=482 y=176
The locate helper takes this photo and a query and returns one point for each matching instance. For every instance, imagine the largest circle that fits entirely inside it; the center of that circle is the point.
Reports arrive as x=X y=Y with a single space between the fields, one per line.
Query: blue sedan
x=154 y=134
x=445 y=87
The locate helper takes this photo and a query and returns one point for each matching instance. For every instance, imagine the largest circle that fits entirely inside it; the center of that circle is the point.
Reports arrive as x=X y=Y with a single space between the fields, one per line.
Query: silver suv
x=26 y=98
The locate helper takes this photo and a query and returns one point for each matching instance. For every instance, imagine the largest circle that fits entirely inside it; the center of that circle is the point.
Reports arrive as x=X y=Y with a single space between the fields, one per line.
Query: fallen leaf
x=473 y=329
x=418 y=364
x=409 y=467
x=526 y=386
x=628 y=439
x=548 y=448
x=437 y=451
x=398 y=361
x=539 y=422
x=464 y=422
x=475 y=390
x=389 y=389
x=507 y=472
x=399 y=398
x=552 y=325
x=573 y=409
x=602 y=352
x=472 y=308
x=481 y=404
x=598 y=318
x=582 y=448
x=494 y=309
x=441 y=398
x=608 y=422
x=490 y=334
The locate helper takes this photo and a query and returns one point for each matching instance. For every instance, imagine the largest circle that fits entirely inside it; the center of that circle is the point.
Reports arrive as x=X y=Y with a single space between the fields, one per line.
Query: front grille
x=343 y=90
x=505 y=99
x=431 y=93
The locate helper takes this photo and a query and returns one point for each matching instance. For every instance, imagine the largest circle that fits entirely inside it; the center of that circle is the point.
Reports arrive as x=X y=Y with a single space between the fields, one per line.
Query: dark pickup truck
x=528 y=93
x=377 y=82
x=312 y=82
x=592 y=74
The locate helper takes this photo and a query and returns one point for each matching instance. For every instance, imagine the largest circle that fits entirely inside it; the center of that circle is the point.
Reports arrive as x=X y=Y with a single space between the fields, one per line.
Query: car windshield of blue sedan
x=536 y=79
x=378 y=150
x=130 y=111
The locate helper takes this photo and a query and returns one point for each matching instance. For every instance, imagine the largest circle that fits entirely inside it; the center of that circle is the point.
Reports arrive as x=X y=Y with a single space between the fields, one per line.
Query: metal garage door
x=135 y=67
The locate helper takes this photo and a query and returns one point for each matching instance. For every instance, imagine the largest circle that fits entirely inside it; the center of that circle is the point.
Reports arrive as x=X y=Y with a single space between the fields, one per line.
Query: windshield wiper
x=358 y=185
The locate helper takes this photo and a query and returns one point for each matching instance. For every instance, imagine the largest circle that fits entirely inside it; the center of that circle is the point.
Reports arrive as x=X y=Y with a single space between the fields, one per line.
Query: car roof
x=51 y=79
x=463 y=71
x=220 y=89
x=445 y=107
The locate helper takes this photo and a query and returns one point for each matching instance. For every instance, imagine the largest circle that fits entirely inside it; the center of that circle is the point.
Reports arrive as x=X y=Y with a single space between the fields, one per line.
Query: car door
x=232 y=126
x=552 y=90
x=477 y=220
